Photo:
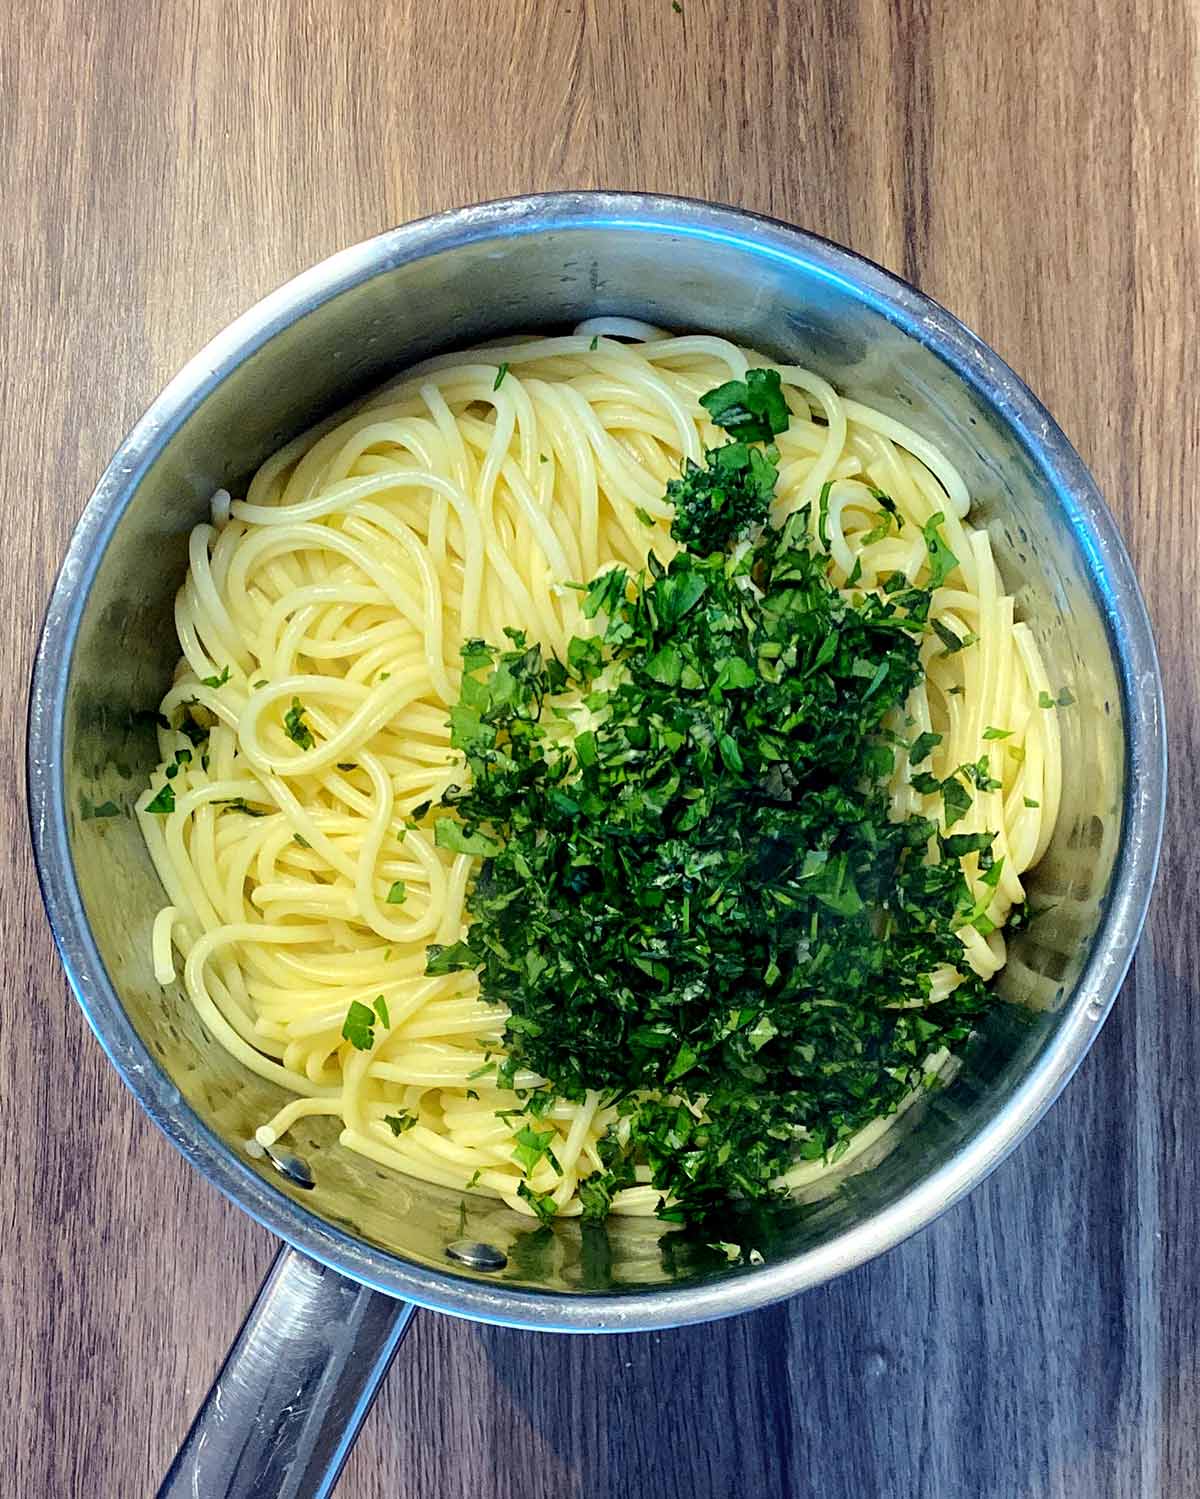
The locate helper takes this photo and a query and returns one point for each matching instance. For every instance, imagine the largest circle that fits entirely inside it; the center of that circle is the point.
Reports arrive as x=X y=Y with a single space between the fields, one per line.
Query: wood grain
x=1035 y=168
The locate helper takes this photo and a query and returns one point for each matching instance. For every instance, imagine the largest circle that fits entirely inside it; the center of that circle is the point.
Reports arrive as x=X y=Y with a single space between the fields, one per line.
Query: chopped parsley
x=750 y=410
x=399 y=1122
x=381 y=1010
x=501 y=371
x=296 y=725
x=949 y=639
x=216 y=681
x=359 y=1026
x=163 y=802
x=922 y=747
x=942 y=560
x=240 y=804
x=1065 y=699
x=700 y=903
x=720 y=502
x=542 y=1203
x=530 y=1145
x=396 y=895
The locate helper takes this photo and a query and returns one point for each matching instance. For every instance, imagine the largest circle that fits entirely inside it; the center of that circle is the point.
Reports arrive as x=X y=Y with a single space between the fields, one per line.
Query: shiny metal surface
x=283 y=1413
x=108 y=649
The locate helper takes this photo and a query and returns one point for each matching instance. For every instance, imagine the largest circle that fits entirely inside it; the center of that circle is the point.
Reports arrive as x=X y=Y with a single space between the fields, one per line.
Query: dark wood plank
x=1034 y=167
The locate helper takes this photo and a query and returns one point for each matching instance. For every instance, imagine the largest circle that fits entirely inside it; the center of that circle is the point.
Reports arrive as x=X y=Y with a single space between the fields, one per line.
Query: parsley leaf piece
x=942 y=560
x=595 y=343
x=216 y=681
x=163 y=802
x=949 y=639
x=240 y=804
x=359 y=1026
x=296 y=726
x=399 y=1122
x=750 y=410
x=542 y=1203
x=530 y=1145
x=923 y=746
x=396 y=895
x=450 y=833
x=501 y=371
x=449 y=959
x=381 y=1010
x=991 y=733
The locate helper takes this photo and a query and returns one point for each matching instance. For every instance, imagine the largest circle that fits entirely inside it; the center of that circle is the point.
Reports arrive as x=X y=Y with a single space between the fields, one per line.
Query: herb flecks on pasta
x=813 y=715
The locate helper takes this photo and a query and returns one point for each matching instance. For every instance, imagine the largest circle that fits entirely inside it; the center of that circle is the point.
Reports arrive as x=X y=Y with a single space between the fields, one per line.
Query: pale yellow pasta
x=450 y=504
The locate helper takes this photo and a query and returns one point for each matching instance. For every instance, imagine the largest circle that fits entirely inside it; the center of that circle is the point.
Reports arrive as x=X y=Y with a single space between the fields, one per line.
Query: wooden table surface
x=1032 y=166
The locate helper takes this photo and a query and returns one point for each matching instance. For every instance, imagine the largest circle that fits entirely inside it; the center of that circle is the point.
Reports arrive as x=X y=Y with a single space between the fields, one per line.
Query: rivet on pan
x=293 y=1166
x=477 y=1256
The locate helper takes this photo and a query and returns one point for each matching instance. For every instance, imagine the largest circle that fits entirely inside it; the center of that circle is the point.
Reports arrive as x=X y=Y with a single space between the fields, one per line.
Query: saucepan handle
x=286 y=1407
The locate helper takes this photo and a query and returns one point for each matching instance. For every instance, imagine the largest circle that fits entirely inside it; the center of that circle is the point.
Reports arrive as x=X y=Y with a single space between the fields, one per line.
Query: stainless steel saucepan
x=364 y=1246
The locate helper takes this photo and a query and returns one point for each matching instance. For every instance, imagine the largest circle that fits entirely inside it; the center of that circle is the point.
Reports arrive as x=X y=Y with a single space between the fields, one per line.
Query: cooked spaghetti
x=321 y=623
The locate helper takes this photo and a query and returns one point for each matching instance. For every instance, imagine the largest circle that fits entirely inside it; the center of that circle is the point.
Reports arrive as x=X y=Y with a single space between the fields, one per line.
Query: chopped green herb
x=949 y=639
x=164 y=802
x=301 y=840
x=997 y=733
x=448 y=833
x=698 y=903
x=643 y=515
x=530 y=1145
x=182 y=757
x=720 y=502
x=922 y=747
x=450 y=959
x=359 y=1026
x=347 y=764
x=381 y=1010
x=109 y=809
x=296 y=726
x=542 y=1203
x=500 y=374
x=595 y=343
x=396 y=895
x=1065 y=699
x=750 y=410
x=942 y=560
x=1029 y=802
x=240 y=804
x=400 y=1122
x=216 y=681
